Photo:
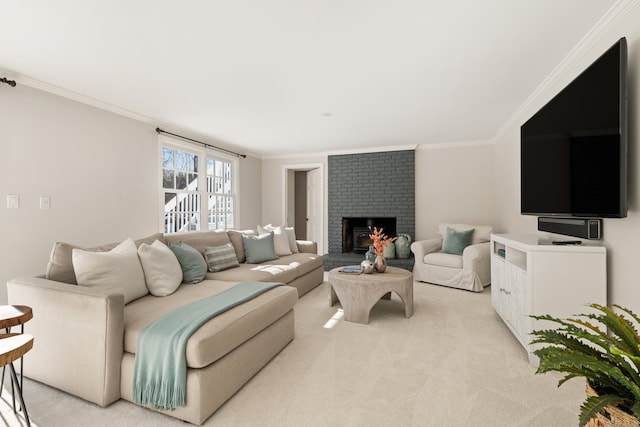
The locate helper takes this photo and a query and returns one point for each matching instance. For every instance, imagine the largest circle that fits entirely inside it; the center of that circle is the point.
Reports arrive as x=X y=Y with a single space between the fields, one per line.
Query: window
x=220 y=206
x=198 y=187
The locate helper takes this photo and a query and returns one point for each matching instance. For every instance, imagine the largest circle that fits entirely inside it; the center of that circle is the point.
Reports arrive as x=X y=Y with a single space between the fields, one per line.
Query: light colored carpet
x=454 y=363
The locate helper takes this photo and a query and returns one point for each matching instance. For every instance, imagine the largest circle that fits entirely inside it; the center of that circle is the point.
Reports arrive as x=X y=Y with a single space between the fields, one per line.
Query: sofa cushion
x=259 y=248
x=199 y=239
x=194 y=267
x=220 y=258
x=219 y=335
x=455 y=241
x=303 y=262
x=60 y=267
x=236 y=240
x=280 y=239
x=162 y=271
x=265 y=272
x=443 y=259
x=118 y=270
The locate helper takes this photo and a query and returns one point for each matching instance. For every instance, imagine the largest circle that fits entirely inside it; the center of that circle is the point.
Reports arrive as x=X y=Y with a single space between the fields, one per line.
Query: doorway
x=300 y=204
x=303 y=201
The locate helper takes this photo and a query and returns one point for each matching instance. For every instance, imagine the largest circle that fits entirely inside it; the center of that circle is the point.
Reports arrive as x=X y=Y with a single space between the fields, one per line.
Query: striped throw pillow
x=221 y=258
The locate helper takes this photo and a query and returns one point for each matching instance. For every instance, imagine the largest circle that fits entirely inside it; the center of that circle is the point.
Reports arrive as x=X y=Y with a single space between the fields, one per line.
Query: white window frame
x=203 y=153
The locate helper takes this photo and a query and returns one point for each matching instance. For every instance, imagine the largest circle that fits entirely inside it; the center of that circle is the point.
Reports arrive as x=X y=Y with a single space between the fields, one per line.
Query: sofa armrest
x=420 y=248
x=478 y=258
x=78 y=332
x=474 y=254
x=307 y=246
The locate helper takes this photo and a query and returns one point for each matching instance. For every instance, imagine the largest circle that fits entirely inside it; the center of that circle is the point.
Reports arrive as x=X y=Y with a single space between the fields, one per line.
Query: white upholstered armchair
x=459 y=258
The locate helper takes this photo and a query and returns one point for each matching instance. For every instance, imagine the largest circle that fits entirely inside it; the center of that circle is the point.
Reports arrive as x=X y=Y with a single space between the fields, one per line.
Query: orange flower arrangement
x=380 y=240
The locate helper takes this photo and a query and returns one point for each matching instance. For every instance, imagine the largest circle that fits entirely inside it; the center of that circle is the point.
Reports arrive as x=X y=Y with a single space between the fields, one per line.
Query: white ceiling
x=277 y=77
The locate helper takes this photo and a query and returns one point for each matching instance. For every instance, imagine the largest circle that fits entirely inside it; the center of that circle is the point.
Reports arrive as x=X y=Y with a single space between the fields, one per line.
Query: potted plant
x=610 y=362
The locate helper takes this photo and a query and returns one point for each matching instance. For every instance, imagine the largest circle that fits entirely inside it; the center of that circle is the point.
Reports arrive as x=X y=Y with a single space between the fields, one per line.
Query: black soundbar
x=585 y=228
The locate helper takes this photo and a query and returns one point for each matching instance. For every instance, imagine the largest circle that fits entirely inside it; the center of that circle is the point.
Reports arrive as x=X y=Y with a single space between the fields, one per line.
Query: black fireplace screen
x=355 y=232
x=361 y=239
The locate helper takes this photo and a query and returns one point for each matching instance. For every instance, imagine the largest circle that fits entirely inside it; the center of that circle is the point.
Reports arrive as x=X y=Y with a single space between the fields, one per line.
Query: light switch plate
x=13 y=201
x=45 y=202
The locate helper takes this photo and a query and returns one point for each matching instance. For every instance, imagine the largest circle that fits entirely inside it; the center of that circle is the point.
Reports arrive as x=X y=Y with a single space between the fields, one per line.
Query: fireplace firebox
x=355 y=232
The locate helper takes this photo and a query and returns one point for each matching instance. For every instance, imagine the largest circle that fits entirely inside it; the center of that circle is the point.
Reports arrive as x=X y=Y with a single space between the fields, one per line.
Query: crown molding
x=325 y=154
x=93 y=102
x=75 y=96
x=292 y=156
x=372 y=149
x=599 y=31
x=461 y=144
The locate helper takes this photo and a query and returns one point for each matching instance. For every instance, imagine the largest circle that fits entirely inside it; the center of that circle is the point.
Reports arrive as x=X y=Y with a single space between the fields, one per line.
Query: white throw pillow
x=280 y=239
x=162 y=271
x=118 y=270
x=291 y=235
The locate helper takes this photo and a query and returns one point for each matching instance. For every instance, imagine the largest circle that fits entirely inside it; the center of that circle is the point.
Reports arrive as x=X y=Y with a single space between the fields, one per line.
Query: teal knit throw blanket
x=160 y=370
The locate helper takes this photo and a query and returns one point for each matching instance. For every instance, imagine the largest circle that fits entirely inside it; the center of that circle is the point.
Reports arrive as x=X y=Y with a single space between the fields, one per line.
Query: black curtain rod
x=244 y=156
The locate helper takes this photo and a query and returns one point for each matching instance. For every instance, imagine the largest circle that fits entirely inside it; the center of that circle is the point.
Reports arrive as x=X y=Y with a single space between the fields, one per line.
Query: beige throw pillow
x=291 y=235
x=118 y=270
x=280 y=239
x=60 y=267
x=162 y=271
x=236 y=240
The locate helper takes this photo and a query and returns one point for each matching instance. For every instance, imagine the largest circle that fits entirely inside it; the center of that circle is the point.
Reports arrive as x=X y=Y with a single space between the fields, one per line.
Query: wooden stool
x=14 y=315
x=13 y=347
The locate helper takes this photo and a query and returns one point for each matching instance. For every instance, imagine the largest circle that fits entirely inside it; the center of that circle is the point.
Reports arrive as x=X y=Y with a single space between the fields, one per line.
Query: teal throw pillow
x=221 y=258
x=259 y=248
x=455 y=241
x=194 y=267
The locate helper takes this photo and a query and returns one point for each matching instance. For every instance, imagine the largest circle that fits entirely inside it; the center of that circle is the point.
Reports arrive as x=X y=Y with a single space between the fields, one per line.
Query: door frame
x=287 y=193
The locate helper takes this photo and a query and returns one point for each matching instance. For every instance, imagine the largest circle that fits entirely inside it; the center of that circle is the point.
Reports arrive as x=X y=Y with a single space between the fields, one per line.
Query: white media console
x=530 y=276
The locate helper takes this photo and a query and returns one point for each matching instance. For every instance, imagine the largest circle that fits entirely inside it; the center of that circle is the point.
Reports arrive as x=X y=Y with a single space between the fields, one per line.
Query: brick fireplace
x=356 y=231
x=365 y=189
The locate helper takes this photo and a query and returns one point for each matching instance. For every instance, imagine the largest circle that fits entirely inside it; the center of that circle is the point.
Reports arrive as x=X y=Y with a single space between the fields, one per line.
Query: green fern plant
x=581 y=347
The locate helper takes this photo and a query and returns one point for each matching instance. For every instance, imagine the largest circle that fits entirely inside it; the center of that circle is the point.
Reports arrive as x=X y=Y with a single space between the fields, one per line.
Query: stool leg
x=15 y=380
x=21 y=370
x=13 y=393
x=2 y=382
x=7 y=330
x=21 y=359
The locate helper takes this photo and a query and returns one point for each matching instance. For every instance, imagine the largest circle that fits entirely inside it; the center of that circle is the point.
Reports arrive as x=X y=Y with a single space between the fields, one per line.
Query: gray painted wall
x=371 y=185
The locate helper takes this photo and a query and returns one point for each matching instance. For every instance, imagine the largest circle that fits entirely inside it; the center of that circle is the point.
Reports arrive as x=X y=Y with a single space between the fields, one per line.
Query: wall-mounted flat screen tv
x=573 y=151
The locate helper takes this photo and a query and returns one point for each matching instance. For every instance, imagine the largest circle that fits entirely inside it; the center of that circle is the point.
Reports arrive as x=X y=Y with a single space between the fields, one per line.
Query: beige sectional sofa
x=86 y=336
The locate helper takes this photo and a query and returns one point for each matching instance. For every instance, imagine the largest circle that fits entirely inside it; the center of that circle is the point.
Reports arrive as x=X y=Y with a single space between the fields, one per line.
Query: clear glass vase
x=381 y=264
x=371 y=254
